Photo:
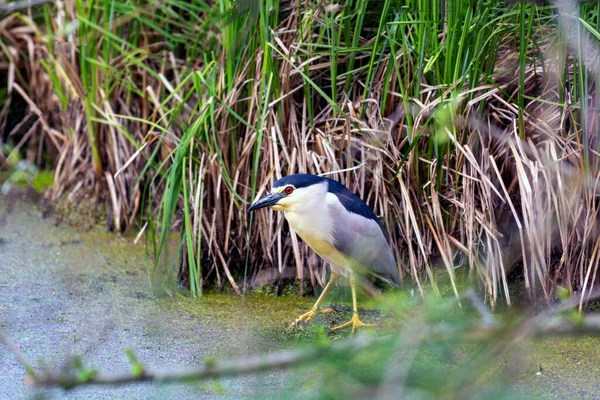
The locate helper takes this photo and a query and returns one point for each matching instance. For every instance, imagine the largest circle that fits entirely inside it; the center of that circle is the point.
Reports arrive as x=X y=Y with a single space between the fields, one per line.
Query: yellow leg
x=355 y=322
x=315 y=310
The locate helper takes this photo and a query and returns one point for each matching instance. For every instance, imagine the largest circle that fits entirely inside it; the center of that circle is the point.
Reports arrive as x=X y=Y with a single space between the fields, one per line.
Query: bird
x=339 y=227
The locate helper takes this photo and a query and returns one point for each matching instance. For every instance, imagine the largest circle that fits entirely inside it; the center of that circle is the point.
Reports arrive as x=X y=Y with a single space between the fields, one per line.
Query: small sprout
x=563 y=293
x=85 y=375
x=30 y=371
x=210 y=361
x=77 y=364
x=137 y=370
x=576 y=318
x=217 y=387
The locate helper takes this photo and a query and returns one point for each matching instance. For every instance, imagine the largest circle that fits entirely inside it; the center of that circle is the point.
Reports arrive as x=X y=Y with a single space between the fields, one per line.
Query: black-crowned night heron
x=339 y=227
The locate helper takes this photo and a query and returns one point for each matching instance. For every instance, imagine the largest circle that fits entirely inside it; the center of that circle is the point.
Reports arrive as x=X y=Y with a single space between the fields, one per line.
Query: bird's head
x=293 y=193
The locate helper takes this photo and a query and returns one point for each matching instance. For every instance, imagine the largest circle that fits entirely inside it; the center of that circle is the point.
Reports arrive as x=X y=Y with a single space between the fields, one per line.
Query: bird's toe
x=355 y=322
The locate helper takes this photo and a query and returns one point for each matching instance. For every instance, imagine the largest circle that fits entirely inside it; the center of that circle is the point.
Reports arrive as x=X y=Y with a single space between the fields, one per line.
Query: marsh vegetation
x=470 y=127
x=176 y=115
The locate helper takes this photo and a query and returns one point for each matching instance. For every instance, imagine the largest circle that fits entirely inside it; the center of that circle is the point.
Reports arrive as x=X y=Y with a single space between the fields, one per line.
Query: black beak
x=267 y=201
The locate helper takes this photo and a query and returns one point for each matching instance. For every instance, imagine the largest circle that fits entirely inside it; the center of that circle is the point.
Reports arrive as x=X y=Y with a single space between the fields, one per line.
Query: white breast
x=313 y=223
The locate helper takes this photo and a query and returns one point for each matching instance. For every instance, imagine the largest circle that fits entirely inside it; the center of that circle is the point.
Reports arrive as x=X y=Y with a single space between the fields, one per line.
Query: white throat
x=310 y=218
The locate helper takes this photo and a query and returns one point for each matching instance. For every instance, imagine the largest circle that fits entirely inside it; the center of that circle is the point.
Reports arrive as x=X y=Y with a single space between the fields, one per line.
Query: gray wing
x=363 y=240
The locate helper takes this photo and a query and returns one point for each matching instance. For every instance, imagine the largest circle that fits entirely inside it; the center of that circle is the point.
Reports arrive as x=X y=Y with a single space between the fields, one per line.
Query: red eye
x=289 y=190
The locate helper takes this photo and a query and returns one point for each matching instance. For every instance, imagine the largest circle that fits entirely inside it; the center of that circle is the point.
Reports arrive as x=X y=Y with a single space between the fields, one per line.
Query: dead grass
x=465 y=179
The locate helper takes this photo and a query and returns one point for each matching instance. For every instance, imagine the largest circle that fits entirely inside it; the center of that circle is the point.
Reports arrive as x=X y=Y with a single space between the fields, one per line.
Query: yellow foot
x=355 y=322
x=308 y=316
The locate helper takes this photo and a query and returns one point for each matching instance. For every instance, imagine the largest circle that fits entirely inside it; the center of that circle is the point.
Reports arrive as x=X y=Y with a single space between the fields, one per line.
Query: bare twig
x=16 y=352
x=214 y=369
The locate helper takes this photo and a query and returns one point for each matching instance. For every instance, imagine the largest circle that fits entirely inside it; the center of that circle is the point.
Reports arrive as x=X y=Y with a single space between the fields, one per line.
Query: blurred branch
x=16 y=352
x=589 y=324
x=7 y=8
x=541 y=326
x=211 y=369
